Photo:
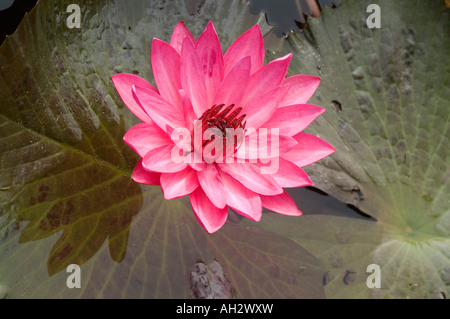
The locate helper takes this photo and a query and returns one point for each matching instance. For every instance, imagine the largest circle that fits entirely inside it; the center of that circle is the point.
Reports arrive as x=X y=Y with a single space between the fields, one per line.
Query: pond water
x=290 y=15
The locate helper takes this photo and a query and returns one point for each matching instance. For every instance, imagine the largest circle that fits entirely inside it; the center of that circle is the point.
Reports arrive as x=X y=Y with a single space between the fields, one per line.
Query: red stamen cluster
x=215 y=117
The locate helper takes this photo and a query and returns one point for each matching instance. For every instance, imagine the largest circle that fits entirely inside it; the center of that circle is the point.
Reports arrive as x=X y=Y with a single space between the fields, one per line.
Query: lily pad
x=65 y=174
x=387 y=94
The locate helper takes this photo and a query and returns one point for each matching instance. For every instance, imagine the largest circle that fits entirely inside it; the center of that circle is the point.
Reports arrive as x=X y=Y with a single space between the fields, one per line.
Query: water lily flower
x=224 y=129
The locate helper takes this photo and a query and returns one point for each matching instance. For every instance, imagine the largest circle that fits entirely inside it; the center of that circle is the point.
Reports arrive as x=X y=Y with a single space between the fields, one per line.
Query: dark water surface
x=11 y=13
x=290 y=15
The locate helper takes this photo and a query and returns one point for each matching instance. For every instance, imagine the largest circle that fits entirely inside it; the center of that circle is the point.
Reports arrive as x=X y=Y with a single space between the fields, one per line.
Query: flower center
x=222 y=130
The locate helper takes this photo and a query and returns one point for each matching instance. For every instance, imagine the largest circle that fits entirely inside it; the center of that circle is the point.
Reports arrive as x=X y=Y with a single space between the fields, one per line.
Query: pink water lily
x=200 y=89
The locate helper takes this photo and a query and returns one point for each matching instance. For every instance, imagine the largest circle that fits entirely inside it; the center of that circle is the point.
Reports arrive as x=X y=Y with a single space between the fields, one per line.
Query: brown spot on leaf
x=65 y=219
x=42 y=197
x=114 y=221
x=44 y=188
x=43 y=225
x=53 y=219
x=62 y=254
x=69 y=208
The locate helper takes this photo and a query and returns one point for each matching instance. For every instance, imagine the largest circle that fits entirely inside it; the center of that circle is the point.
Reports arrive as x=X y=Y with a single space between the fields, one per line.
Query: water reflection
x=313 y=201
x=290 y=14
x=5 y=4
x=11 y=13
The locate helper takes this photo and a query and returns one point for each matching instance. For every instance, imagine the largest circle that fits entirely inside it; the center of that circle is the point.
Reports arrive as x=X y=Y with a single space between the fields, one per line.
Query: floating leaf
x=266 y=265
x=387 y=93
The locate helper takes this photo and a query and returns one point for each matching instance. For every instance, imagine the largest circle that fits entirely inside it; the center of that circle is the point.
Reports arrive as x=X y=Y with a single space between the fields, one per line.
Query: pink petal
x=234 y=85
x=208 y=215
x=251 y=44
x=145 y=137
x=251 y=178
x=160 y=160
x=192 y=78
x=124 y=83
x=302 y=88
x=294 y=118
x=288 y=174
x=178 y=184
x=269 y=144
x=179 y=34
x=162 y=112
x=210 y=53
x=282 y=204
x=212 y=185
x=240 y=198
x=188 y=110
x=309 y=149
x=140 y=175
x=261 y=108
x=267 y=78
x=198 y=166
x=165 y=62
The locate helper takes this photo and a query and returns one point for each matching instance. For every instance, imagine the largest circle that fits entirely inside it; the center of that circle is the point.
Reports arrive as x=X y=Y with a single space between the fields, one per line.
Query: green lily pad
x=65 y=174
x=387 y=94
x=266 y=265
